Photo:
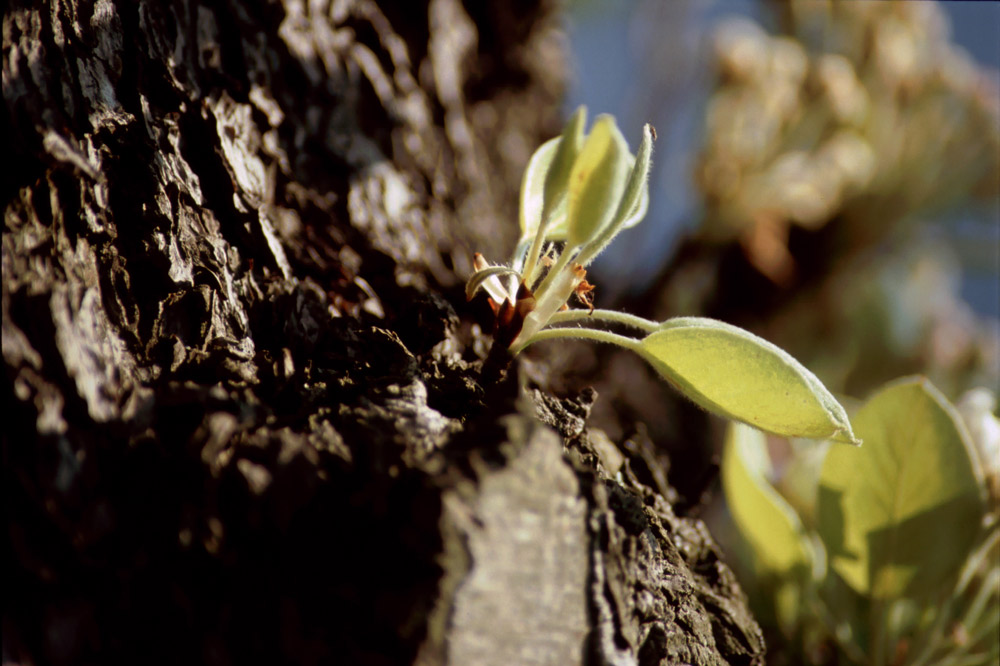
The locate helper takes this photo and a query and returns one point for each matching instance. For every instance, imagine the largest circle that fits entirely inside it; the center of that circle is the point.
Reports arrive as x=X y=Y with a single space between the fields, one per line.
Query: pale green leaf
x=782 y=553
x=597 y=181
x=900 y=515
x=733 y=373
x=634 y=201
x=799 y=482
x=570 y=144
x=533 y=187
x=764 y=518
x=639 y=210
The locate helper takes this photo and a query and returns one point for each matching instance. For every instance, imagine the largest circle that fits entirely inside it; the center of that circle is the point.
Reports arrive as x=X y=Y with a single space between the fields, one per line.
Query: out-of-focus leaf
x=799 y=482
x=782 y=553
x=900 y=515
x=734 y=373
x=764 y=518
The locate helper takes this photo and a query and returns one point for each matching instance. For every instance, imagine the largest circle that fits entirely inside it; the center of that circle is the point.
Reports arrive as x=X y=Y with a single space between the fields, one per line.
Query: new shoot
x=579 y=191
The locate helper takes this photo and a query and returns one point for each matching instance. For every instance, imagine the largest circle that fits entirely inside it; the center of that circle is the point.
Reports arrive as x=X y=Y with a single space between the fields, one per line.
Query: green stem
x=971 y=660
x=520 y=254
x=564 y=258
x=932 y=638
x=983 y=595
x=972 y=647
x=612 y=316
x=582 y=334
x=986 y=631
x=877 y=634
x=536 y=249
x=974 y=563
x=847 y=643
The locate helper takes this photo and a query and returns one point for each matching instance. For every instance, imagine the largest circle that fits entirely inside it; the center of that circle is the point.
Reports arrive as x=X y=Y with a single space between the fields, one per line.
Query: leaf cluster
x=894 y=557
x=579 y=191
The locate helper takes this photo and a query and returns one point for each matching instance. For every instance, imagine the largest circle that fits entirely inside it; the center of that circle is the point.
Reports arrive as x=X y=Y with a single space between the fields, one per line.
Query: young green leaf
x=734 y=373
x=782 y=553
x=900 y=515
x=548 y=177
x=533 y=187
x=764 y=518
x=570 y=144
x=596 y=181
x=634 y=202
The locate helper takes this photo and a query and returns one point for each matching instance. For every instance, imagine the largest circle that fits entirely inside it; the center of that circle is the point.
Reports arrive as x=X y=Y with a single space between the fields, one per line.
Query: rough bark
x=242 y=416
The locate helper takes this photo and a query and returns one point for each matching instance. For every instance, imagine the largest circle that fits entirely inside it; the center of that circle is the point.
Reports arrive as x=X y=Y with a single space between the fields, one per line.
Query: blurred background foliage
x=827 y=175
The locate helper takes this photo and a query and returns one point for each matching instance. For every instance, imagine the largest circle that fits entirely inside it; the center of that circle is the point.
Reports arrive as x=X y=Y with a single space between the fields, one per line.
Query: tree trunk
x=242 y=415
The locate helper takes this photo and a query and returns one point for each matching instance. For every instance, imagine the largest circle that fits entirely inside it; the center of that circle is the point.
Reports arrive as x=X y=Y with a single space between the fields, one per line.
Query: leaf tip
x=847 y=436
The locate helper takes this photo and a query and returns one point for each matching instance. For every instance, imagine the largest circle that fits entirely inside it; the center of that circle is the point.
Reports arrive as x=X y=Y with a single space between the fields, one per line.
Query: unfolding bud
x=577 y=180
